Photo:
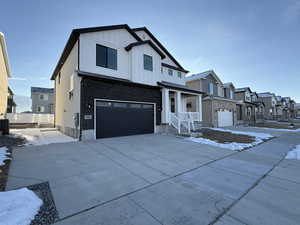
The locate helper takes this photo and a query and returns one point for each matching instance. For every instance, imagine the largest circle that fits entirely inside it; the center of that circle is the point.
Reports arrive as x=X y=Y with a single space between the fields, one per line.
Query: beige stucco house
x=4 y=75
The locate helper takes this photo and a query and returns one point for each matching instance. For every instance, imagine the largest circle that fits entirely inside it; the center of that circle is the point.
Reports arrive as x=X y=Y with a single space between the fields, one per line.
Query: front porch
x=177 y=109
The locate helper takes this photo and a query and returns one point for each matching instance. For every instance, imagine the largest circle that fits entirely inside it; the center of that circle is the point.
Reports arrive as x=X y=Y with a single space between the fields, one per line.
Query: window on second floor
x=170 y=72
x=148 y=62
x=179 y=74
x=106 y=57
x=43 y=97
x=231 y=94
x=210 y=88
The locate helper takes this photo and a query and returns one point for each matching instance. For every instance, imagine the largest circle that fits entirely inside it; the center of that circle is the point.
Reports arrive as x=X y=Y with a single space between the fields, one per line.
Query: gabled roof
x=42 y=90
x=158 y=43
x=254 y=93
x=203 y=75
x=266 y=95
x=138 y=43
x=10 y=91
x=74 y=37
x=243 y=89
x=226 y=85
x=5 y=55
x=179 y=87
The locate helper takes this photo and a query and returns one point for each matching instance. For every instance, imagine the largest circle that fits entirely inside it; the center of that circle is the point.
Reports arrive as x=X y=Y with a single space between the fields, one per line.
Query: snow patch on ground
x=36 y=136
x=294 y=154
x=278 y=129
x=18 y=207
x=4 y=155
x=259 y=138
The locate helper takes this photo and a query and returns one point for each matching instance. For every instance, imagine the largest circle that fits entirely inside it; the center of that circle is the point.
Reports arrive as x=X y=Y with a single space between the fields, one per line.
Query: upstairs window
x=179 y=74
x=148 y=62
x=106 y=57
x=210 y=88
x=170 y=72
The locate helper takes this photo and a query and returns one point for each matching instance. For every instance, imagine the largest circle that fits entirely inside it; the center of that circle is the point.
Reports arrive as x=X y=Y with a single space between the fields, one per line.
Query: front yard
x=279 y=125
x=229 y=139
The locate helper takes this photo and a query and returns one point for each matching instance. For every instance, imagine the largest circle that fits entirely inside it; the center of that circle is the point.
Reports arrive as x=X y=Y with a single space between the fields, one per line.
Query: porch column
x=165 y=106
x=199 y=105
x=178 y=100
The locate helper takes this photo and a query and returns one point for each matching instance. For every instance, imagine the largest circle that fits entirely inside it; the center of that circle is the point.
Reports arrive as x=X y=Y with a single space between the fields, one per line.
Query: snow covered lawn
x=18 y=207
x=36 y=136
x=278 y=129
x=4 y=155
x=258 y=138
x=294 y=154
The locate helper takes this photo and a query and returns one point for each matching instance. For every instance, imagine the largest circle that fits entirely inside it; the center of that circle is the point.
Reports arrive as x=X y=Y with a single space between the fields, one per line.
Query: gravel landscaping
x=225 y=137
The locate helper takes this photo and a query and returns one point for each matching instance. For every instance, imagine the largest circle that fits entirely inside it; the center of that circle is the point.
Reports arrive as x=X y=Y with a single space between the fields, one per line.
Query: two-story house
x=116 y=81
x=4 y=75
x=259 y=107
x=219 y=106
x=269 y=99
x=42 y=100
x=246 y=106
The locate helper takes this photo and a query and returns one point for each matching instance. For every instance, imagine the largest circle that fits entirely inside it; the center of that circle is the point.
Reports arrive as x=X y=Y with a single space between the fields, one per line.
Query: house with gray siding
x=42 y=100
x=219 y=105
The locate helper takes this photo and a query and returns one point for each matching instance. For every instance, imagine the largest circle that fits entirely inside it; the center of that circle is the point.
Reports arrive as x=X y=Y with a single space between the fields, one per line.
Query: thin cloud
x=17 y=78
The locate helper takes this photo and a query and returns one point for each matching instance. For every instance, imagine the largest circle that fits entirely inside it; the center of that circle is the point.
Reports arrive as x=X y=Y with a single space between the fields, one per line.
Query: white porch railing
x=185 y=119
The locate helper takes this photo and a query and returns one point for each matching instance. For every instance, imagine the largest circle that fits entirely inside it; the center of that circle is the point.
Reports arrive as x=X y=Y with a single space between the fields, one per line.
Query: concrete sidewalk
x=154 y=179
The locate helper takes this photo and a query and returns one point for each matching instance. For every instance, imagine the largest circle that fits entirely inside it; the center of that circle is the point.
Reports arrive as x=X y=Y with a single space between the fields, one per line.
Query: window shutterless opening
x=106 y=57
x=148 y=62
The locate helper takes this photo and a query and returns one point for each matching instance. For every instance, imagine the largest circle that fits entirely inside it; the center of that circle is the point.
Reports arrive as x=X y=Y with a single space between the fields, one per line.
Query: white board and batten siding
x=129 y=63
x=225 y=118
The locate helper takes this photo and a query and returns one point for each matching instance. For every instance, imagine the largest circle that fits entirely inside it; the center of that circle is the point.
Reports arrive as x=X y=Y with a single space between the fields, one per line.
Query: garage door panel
x=121 y=119
x=225 y=118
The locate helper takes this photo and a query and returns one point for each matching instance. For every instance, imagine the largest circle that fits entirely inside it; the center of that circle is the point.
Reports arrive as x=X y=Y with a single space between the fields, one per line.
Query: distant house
x=42 y=100
x=4 y=75
x=297 y=108
x=219 y=106
x=269 y=99
x=11 y=105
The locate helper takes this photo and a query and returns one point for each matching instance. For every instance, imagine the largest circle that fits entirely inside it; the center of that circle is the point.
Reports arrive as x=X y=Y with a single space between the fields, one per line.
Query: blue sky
x=250 y=43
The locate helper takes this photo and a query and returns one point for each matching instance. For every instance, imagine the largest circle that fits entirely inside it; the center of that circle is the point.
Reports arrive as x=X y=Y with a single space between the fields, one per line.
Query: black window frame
x=108 y=62
x=148 y=67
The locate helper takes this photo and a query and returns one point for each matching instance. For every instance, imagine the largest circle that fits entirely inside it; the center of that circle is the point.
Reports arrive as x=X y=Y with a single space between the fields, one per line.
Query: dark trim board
x=130 y=46
x=93 y=88
x=174 y=67
x=159 y=44
x=74 y=36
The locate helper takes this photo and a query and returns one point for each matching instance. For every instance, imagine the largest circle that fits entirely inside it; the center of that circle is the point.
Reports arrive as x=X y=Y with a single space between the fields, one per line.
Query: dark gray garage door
x=123 y=118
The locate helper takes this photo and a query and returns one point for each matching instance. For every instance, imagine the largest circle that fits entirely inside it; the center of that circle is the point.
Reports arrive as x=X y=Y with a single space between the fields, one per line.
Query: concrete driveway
x=155 y=179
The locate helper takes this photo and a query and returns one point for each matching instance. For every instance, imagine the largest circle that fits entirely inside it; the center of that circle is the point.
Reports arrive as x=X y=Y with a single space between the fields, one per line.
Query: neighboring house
x=116 y=81
x=259 y=107
x=219 y=106
x=11 y=105
x=246 y=106
x=269 y=99
x=297 y=108
x=279 y=108
x=4 y=75
x=288 y=108
x=42 y=100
